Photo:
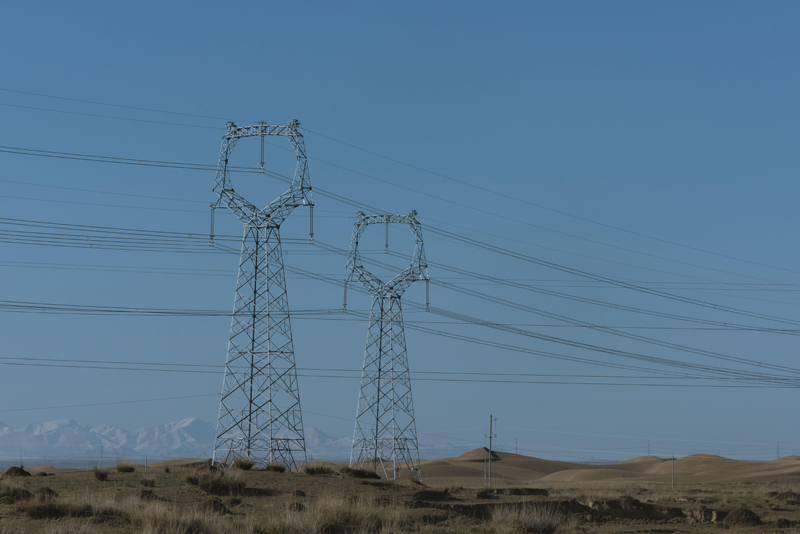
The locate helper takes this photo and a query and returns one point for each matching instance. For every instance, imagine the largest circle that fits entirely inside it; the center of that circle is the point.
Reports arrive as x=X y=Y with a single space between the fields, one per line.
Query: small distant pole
x=145 y=463
x=101 y=456
x=777 y=450
x=491 y=420
x=516 y=449
x=673 y=471
x=648 y=447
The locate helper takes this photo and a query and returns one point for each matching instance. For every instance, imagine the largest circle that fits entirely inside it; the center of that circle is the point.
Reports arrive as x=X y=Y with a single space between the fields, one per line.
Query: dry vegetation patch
x=218 y=483
x=51 y=510
x=316 y=470
x=255 y=501
x=540 y=519
x=359 y=473
x=125 y=467
x=244 y=463
x=100 y=474
x=12 y=495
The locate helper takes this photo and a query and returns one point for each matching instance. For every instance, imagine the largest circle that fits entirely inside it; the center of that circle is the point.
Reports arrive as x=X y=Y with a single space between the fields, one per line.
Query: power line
x=593 y=348
x=529 y=203
x=522 y=307
x=114 y=105
x=97 y=191
x=109 y=116
x=394 y=160
x=465 y=380
x=39 y=307
x=194 y=166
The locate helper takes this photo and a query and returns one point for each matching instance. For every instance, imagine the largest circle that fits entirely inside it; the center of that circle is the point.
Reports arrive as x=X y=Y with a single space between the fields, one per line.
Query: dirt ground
x=711 y=493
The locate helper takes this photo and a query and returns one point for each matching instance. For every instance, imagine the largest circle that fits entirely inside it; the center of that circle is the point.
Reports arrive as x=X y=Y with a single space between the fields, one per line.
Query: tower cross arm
x=299 y=194
x=418 y=270
x=237 y=132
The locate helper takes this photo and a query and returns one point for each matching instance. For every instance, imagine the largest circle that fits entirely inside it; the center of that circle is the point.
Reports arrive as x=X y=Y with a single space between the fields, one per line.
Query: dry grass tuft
x=243 y=462
x=81 y=529
x=218 y=483
x=277 y=468
x=317 y=470
x=51 y=510
x=11 y=494
x=148 y=482
x=100 y=474
x=125 y=467
x=359 y=473
x=543 y=519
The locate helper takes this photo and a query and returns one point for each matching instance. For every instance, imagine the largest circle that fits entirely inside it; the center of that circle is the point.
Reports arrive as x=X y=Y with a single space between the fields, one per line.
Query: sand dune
x=513 y=469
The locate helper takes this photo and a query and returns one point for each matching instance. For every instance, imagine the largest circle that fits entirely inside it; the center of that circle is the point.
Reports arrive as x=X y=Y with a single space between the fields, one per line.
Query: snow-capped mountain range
x=189 y=438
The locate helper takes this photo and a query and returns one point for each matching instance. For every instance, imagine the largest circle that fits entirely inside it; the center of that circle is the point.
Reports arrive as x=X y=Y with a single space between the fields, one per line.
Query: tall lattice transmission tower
x=259 y=412
x=385 y=431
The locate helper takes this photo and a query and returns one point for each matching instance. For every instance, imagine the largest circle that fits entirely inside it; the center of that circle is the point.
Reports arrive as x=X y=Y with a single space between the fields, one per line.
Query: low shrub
x=277 y=468
x=148 y=482
x=317 y=470
x=148 y=495
x=244 y=463
x=124 y=467
x=359 y=473
x=166 y=470
x=51 y=510
x=213 y=506
x=100 y=474
x=192 y=480
x=10 y=495
x=219 y=484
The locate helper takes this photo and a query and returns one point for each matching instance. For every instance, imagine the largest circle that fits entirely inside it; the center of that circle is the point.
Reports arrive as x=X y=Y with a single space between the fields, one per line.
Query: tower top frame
x=298 y=194
x=418 y=270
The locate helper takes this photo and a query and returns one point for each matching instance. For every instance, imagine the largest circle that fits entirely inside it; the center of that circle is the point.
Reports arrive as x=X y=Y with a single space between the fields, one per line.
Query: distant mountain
x=189 y=438
x=320 y=445
x=71 y=443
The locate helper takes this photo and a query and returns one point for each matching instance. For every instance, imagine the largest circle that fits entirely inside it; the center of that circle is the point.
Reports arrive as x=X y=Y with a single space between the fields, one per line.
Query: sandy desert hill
x=468 y=469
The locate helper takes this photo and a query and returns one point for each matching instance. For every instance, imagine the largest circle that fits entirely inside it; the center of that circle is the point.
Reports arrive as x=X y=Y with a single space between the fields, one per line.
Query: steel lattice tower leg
x=385 y=430
x=259 y=414
x=260 y=406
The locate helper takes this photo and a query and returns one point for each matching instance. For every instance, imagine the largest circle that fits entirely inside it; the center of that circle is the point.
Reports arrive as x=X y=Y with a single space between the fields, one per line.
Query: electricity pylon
x=385 y=430
x=259 y=412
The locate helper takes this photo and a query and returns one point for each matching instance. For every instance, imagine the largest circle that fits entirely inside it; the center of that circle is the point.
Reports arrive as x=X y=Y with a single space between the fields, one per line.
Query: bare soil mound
x=742 y=517
x=589 y=475
x=479 y=454
x=15 y=471
x=641 y=459
x=46 y=494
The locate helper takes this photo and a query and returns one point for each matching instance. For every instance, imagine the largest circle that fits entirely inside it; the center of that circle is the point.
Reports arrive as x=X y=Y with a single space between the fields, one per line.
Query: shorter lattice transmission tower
x=385 y=431
x=259 y=412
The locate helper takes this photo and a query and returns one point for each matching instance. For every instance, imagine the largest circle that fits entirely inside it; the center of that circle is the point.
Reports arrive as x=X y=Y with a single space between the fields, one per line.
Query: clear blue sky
x=675 y=120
